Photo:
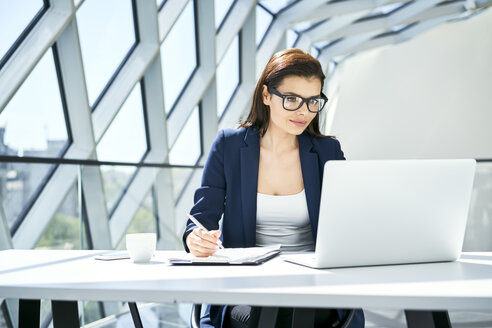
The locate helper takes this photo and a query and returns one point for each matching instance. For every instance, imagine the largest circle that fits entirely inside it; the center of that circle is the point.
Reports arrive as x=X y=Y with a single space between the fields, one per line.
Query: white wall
x=429 y=97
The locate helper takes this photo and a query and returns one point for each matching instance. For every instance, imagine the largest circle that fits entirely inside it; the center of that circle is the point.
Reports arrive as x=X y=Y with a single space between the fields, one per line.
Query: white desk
x=75 y=275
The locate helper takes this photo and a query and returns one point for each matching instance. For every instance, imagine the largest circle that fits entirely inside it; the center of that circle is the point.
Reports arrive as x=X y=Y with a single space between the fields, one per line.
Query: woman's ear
x=266 y=95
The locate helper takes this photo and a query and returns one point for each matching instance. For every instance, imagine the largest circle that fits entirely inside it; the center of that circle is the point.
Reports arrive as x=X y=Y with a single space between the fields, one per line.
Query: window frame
x=51 y=171
x=197 y=65
x=22 y=36
x=123 y=62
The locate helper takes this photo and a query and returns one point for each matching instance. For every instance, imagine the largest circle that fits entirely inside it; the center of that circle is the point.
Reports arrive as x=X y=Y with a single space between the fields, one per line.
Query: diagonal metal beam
x=278 y=28
x=133 y=197
x=241 y=99
x=350 y=44
x=5 y=238
x=25 y=58
x=79 y=115
x=233 y=24
x=376 y=24
x=121 y=87
x=422 y=22
x=168 y=15
x=328 y=28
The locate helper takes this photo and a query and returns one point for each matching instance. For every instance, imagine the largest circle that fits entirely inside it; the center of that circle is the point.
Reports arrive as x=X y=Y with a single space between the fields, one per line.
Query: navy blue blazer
x=229 y=188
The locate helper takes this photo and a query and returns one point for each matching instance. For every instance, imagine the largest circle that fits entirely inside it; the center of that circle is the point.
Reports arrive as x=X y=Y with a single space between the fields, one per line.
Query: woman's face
x=292 y=122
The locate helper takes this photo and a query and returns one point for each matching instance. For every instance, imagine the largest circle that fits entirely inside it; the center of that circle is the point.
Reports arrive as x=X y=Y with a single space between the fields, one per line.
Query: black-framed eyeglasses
x=294 y=102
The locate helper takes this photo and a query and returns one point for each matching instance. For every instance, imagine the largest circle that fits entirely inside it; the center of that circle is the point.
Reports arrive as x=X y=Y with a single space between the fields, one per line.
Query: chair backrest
x=197 y=309
x=195 y=315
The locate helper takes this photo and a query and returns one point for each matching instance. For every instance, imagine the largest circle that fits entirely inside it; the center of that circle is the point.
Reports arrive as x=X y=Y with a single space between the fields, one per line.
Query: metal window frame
x=239 y=60
x=30 y=202
x=118 y=201
x=5 y=58
x=229 y=10
x=199 y=157
x=197 y=60
x=280 y=10
x=6 y=314
x=269 y=25
x=124 y=60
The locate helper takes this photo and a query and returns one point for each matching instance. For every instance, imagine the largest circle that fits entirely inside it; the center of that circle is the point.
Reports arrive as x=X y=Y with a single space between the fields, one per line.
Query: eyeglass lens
x=294 y=102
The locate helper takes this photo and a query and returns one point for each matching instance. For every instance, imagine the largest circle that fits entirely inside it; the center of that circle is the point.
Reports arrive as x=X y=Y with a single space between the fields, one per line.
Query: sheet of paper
x=230 y=255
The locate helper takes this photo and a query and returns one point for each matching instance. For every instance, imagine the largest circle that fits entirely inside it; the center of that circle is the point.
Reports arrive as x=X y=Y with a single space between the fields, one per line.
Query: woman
x=265 y=177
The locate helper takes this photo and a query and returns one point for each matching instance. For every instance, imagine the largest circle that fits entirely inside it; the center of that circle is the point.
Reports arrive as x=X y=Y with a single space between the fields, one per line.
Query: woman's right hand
x=203 y=243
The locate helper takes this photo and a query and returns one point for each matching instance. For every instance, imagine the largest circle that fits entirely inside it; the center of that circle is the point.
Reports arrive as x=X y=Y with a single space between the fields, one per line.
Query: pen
x=195 y=221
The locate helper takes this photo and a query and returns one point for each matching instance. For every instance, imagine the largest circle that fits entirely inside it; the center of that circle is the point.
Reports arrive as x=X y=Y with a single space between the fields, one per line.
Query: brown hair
x=283 y=63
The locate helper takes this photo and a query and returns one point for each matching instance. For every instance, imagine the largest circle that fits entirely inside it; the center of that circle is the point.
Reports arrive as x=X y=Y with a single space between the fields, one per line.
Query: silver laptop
x=391 y=212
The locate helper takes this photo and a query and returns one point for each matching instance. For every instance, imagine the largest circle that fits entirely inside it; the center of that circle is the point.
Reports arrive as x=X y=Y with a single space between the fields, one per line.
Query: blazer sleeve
x=209 y=199
x=339 y=152
x=328 y=149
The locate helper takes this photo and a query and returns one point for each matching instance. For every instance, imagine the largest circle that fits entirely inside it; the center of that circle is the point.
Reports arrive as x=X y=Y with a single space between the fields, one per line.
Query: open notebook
x=235 y=256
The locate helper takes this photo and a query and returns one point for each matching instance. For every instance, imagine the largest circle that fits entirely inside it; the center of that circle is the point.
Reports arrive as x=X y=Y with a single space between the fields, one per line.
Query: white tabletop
x=76 y=275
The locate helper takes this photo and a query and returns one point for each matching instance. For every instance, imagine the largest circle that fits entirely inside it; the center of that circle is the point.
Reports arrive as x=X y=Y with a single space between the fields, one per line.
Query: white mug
x=141 y=246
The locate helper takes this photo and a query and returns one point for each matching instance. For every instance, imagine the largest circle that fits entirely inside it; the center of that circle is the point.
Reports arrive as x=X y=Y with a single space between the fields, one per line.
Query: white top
x=283 y=220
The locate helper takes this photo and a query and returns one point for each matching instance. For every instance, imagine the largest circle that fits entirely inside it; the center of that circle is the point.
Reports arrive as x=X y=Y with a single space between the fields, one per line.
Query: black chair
x=196 y=312
x=268 y=317
x=137 y=321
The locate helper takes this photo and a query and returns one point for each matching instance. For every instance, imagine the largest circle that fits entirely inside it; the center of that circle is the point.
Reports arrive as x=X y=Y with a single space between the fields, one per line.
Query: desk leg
x=268 y=317
x=427 y=319
x=65 y=314
x=29 y=311
x=135 y=315
x=303 y=318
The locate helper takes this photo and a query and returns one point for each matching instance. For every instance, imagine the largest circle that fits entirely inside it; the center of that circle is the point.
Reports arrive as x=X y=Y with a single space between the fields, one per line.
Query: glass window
x=159 y=3
x=323 y=44
x=45 y=313
x=227 y=76
x=292 y=36
x=303 y=26
x=32 y=124
x=15 y=16
x=115 y=179
x=124 y=141
x=477 y=235
x=187 y=148
x=382 y=11
x=143 y=221
x=274 y=6
x=186 y=151
x=178 y=56
x=399 y=28
x=386 y=9
x=90 y=312
x=263 y=21
x=314 y=52
x=3 y=318
x=65 y=231
x=106 y=31
x=221 y=8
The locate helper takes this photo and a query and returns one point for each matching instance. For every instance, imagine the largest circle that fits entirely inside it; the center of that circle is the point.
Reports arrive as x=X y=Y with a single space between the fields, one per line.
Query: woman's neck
x=278 y=141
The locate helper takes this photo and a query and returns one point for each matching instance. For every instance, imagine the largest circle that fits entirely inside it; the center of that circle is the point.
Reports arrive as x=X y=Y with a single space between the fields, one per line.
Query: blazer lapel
x=311 y=178
x=250 y=159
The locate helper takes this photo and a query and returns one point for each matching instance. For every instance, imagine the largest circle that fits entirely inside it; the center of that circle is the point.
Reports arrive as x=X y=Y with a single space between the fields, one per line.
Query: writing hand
x=203 y=243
